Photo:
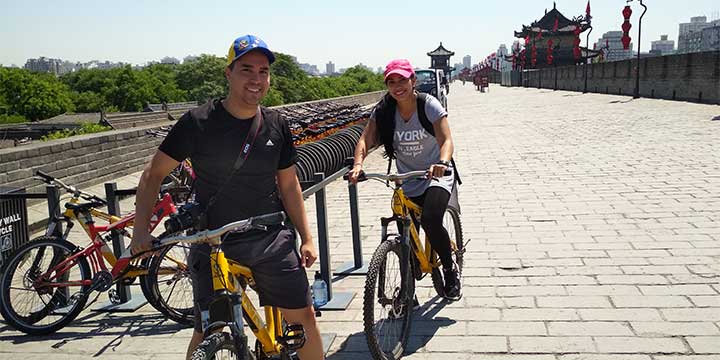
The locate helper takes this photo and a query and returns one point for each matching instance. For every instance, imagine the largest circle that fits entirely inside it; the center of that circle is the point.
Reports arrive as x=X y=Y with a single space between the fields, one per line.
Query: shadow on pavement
x=91 y=326
x=424 y=325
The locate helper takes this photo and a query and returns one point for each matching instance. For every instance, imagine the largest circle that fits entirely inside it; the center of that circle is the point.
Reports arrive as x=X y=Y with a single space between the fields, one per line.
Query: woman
x=396 y=124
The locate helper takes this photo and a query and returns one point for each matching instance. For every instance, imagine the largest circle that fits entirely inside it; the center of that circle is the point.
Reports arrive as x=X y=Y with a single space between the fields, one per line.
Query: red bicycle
x=47 y=282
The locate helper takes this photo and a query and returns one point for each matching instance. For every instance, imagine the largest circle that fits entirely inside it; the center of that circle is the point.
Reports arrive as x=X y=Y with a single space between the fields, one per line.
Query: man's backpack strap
x=427 y=125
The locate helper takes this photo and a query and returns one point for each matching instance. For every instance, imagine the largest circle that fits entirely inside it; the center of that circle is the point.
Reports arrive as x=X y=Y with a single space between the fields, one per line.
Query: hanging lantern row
x=550 y=52
x=626 y=27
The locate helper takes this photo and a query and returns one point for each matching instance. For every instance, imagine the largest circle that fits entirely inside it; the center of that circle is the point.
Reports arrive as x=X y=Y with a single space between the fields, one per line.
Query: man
x=213 y=136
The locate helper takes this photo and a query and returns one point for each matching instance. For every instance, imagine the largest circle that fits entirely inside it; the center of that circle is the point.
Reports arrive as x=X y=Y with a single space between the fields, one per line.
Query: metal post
x=585 y=64
x=323 y=242
x=126 y=303
x=357 y=266
x=118 y=241
x=637 y=67
x=53 y=199
x=336 y=300
x=55 y=228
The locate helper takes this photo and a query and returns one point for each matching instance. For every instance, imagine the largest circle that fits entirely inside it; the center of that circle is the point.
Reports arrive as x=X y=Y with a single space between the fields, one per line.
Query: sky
x=371 y=32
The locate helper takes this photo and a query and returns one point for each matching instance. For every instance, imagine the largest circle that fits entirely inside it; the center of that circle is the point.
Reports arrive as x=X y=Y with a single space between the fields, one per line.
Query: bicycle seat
x=83 y=206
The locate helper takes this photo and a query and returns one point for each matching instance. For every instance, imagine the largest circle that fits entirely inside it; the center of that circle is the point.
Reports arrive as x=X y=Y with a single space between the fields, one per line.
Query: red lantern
x=550 y=52
x=533 y=55
x=555 y=27
x=576 y=42
x=626 y=27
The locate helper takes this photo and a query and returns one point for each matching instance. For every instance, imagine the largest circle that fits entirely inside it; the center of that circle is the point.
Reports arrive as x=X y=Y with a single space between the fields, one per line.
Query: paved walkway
x=595 y=234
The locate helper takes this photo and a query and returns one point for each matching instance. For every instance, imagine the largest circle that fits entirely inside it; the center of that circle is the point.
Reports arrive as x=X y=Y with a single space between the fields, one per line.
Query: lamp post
x=637 y=68
x=585 y=65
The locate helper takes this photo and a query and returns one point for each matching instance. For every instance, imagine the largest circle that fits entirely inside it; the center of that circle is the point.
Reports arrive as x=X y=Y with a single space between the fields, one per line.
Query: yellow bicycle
x=231 y=307
x=397 y=263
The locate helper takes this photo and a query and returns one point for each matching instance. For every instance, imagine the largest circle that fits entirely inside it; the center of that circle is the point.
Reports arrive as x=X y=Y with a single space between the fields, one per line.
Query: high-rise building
x=169 y=60
x=690 y=34
x=711 y=37
x=662 y=46
x=467 y=61
x=44 y=64
x=329 y=68
x=614 y=50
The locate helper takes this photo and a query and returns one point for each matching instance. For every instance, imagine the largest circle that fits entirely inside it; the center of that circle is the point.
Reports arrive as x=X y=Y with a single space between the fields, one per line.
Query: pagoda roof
x=441 y=51
x=547 y=23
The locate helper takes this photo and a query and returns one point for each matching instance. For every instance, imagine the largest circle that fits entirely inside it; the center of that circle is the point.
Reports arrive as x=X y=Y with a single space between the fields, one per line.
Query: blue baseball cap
x=245 y=44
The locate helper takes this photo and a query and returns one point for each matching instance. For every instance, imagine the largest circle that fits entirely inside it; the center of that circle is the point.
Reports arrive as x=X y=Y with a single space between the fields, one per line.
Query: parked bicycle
x=46 y=283
x=397 y=263
x=231 y=307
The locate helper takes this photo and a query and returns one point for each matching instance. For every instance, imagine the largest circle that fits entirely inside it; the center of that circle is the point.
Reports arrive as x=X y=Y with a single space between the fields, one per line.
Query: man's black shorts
x=275 y=264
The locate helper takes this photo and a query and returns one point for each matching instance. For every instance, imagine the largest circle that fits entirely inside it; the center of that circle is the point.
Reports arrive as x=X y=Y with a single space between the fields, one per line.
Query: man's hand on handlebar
x=355 y=174
x=142 y=244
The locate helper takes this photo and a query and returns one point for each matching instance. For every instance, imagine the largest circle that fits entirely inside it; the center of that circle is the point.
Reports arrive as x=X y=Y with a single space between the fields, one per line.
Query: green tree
x=35 y=96
x=203 y=78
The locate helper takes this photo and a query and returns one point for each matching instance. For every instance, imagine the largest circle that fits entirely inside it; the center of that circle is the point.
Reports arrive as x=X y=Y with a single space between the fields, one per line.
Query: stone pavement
x=595 y=234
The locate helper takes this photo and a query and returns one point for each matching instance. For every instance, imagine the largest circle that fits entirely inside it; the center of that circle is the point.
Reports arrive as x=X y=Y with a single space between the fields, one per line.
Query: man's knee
x=304 y=316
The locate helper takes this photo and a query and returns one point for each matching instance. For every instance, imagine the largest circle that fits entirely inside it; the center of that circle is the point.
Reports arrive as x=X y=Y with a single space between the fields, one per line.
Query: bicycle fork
x=225 y=308
x=407 y=265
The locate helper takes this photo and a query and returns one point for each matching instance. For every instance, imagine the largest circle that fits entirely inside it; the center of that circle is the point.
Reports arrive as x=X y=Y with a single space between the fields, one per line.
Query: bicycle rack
x=338 y=300
x=128 y=302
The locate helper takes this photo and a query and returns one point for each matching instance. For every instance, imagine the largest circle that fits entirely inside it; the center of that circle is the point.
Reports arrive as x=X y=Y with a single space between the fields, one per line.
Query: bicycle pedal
x=114 y=297
x=293 y=337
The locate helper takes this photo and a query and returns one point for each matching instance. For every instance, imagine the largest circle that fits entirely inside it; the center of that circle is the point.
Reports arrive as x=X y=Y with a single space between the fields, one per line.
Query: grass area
x=12 y=119
x=85 y=128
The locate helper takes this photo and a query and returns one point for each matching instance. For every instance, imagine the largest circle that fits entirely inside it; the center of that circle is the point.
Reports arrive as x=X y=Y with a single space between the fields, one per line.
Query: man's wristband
x=356 y=164
x=443 y=163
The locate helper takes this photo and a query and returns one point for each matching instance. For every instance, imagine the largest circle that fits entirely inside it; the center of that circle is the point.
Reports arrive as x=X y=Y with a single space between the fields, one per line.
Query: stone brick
x=538 y=344
x=619 y=314
x=650 y=301
x=588 y=328
x=506 y=328
x=539 y=314
x=634 y=345
x=704 y=344
x=573 y=302
x=695 y=314
x=693 y=289
x=666 y=328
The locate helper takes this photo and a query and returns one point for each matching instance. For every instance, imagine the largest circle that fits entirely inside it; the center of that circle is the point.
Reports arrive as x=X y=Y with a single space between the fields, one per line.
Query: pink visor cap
x=401 y=67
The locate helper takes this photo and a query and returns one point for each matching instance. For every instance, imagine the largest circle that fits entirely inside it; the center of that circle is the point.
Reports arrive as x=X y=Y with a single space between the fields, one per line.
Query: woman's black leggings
x=434 y=202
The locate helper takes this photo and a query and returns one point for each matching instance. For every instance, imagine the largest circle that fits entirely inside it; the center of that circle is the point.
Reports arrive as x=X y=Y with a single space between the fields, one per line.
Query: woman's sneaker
x=453 y=286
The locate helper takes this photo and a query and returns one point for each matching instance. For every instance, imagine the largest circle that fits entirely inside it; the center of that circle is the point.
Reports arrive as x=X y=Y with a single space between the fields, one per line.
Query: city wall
x=92 y=159
x=687 y=77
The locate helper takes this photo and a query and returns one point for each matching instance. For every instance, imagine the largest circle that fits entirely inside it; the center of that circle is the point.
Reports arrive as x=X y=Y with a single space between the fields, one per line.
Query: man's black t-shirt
x=212 y=139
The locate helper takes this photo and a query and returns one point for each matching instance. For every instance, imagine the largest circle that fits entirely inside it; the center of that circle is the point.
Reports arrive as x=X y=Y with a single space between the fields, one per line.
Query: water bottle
x=319 y=291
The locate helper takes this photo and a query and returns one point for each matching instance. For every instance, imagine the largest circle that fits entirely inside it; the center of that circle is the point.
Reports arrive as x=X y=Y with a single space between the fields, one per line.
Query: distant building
x=690 y=34
x=310 y=69
x=169 y=60
x=502 y=51
x=711 y=37
x=44 y=64
x=330 y=68
x=614 y=50
x=467 y=62
x=662 y=46
x=190 y=58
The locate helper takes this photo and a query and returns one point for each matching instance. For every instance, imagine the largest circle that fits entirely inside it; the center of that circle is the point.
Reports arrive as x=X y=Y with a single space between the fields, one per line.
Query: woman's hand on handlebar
x=437 y=170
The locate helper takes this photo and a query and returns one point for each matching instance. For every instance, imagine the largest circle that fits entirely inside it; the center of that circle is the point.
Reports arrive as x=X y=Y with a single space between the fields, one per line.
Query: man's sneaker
x=452 y=288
